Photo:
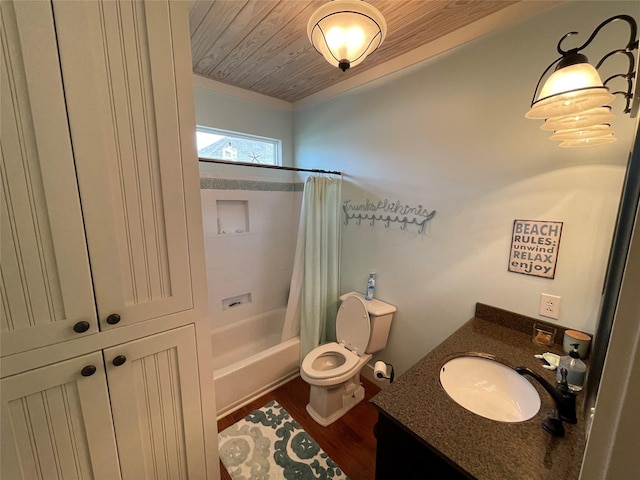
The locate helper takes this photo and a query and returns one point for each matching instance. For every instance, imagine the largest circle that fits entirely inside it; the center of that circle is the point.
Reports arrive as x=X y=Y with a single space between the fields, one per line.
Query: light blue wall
x=226 y=112
x=451 y=136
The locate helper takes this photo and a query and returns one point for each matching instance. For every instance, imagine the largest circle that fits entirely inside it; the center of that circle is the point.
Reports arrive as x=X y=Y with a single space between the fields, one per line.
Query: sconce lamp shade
x=346 y=31
x=588 y=142
x=569 y=90
x=587 y=118
x=581 y=133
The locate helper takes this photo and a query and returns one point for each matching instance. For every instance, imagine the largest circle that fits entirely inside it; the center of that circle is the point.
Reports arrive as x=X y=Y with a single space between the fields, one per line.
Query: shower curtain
x=315 y=287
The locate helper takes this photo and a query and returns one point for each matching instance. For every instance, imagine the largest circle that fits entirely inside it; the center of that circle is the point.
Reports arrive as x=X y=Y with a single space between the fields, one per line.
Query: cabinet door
x=45 y=281
x=118 y=64
x=155 y=398
x=56 y=423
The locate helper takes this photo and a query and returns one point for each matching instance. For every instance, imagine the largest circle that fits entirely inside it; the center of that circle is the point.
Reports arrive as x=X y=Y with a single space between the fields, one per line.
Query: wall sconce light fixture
x=574 y=100
x=346 y=31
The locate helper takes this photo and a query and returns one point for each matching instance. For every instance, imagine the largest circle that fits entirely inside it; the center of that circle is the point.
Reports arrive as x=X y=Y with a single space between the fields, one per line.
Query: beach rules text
x=534 y=247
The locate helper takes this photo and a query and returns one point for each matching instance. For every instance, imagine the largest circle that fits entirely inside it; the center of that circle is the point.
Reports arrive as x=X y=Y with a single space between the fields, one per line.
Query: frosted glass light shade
x=581 y=133
x=570 y=89
x=588 y=142
x=595 y=116
x=346 y=31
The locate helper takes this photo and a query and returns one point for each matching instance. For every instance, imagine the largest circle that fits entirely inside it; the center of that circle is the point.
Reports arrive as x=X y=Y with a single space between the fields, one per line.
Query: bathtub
x=249 y=360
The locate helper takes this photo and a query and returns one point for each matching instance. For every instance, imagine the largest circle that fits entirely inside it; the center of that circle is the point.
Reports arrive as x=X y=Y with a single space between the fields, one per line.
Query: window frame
x=277 y=143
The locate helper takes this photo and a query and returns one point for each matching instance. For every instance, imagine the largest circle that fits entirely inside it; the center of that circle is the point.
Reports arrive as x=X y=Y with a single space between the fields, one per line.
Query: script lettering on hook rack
x=386 y=211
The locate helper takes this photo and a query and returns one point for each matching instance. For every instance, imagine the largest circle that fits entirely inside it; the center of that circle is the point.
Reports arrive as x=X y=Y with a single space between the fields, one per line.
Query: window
x=237 y=147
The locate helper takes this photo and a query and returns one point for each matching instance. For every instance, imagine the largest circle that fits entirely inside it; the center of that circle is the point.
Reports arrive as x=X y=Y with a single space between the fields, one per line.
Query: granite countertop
x=483 y=448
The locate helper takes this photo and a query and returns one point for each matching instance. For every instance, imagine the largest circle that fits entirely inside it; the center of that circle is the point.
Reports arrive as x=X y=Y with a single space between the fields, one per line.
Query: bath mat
x=269 y=444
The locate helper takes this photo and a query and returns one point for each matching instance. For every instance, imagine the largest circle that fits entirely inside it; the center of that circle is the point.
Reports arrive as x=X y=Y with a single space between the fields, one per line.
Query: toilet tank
x=380 y=316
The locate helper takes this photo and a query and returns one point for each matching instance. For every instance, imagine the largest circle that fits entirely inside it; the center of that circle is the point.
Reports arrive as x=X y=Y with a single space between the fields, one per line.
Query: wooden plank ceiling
x=262 y=45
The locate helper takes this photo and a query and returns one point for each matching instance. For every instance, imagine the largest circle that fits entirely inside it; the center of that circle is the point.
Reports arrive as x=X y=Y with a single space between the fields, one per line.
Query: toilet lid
x=352 y=324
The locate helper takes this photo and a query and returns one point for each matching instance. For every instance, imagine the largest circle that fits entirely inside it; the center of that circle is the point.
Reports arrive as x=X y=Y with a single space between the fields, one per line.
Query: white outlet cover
x=549 y=306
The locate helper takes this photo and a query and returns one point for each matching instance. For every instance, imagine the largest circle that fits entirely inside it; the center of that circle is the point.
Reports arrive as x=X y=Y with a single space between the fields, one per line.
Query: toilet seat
x=352 y=330
x=350 y=361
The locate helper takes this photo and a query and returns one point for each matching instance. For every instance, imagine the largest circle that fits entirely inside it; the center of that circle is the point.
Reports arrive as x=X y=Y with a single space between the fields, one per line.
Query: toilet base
x=326 y=405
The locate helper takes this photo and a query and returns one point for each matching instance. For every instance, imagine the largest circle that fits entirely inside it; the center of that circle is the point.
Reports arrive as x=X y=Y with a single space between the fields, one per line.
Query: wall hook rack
x=404 y=214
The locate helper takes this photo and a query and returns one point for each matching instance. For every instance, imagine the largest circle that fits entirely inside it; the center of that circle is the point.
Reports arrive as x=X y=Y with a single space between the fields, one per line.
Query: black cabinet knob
x=81 y=327
x=113 y=319
x=119 y=360
x=88 y=370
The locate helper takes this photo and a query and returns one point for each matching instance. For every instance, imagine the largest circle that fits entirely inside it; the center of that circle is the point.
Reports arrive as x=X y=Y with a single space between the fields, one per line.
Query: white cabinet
x=56 y=423
x=56 y=420
x=155 y=399
x=45 y=281
x=121 y=65
x=101 y=251
x=99 y=96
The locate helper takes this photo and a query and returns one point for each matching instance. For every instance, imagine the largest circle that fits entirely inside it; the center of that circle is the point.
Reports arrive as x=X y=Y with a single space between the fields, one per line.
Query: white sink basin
x=490 y=389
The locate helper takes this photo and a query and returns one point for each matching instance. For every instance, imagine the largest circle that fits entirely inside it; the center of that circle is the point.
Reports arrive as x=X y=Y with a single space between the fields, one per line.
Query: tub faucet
x=565 y=402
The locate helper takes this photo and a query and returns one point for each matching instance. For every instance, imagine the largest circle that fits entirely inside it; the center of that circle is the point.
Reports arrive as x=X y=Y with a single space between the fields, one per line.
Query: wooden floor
x=349 y=441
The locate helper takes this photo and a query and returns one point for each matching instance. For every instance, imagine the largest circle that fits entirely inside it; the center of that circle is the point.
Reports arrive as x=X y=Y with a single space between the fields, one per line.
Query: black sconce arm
x=631 y=45
x=572 y=56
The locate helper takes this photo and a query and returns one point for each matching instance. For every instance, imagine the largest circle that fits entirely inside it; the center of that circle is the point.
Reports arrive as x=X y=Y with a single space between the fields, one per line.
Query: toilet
x=333 y=369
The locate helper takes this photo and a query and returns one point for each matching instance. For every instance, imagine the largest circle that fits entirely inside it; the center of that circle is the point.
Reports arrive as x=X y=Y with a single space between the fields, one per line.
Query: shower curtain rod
x=262 y=165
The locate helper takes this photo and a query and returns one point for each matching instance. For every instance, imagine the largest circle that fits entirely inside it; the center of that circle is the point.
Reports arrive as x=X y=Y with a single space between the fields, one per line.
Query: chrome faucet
x=565 y=402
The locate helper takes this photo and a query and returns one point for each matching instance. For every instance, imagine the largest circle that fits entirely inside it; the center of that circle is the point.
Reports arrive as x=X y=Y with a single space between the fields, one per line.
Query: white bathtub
x=249 y=360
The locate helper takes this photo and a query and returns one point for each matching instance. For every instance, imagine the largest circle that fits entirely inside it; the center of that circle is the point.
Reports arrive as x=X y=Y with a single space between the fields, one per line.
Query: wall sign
x=534 y=247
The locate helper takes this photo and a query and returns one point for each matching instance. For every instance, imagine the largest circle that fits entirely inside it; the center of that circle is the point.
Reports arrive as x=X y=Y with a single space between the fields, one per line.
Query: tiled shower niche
x=233 y=216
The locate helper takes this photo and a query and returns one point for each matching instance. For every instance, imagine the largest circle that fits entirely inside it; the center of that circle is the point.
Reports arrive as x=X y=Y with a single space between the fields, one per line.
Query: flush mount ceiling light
x=346 y=31
x=574 y=98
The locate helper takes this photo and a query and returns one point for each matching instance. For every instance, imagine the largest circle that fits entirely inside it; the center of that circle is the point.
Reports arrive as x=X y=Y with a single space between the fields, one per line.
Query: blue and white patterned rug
x=268 y=444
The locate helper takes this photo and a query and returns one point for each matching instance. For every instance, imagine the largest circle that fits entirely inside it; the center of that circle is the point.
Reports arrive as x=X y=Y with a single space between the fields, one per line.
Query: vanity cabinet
x=101 y=251
x=399 y=454
x=423 y=433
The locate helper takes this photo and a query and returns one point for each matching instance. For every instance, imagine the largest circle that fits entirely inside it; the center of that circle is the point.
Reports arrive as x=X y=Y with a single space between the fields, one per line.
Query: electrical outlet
x=549 y=305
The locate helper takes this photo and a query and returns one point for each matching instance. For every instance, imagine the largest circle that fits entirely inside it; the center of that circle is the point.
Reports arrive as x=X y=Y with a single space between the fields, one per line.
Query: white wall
x=451 y=136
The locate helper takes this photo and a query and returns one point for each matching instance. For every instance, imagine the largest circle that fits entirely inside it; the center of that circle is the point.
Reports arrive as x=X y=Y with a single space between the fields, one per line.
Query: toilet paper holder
x=383 y=370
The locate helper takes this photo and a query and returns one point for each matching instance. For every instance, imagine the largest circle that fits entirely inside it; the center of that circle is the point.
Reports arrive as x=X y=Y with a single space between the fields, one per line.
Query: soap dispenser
x=576 y=369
